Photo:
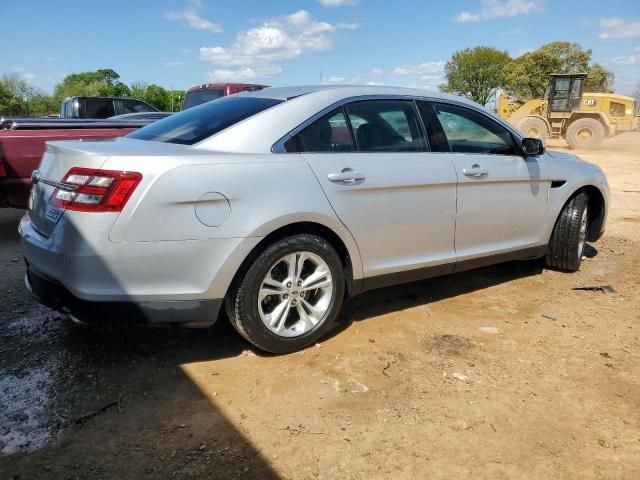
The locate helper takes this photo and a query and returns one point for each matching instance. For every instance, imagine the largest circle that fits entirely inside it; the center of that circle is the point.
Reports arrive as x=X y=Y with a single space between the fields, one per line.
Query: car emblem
x=35 y=177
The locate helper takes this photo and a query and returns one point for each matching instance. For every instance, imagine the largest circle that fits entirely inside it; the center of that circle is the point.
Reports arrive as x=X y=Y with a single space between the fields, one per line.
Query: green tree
x=17 y=94
x=176 y=99
x=42 y=105
x=152 y=94
x=101 y=83
x=139 y=90
x=476 y=73
x=598 y=78
x=527 y=76
x=6 y=100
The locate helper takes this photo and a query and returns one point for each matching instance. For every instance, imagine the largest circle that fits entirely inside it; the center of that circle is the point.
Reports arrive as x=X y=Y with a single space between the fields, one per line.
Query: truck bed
x=22 y=144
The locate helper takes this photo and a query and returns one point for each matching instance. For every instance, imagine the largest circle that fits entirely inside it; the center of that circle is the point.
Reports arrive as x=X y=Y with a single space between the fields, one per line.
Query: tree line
x=479 y=73
x=19 y=98
x=476 y=73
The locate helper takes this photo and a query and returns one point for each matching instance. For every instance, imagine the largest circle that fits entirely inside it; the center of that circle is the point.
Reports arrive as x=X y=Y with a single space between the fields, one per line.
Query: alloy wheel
x=582 y=234
x=295 y=294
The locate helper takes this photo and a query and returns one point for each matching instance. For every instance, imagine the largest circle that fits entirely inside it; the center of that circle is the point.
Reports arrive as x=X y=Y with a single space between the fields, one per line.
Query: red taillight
x=96 y=190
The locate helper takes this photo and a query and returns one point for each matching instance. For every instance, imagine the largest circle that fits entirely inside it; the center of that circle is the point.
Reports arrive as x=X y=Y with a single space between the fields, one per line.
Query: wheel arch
x=596 y=212
x=345 y=247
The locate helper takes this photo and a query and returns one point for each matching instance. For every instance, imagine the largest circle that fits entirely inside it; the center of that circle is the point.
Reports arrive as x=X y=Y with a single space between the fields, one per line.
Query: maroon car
x=210 y=91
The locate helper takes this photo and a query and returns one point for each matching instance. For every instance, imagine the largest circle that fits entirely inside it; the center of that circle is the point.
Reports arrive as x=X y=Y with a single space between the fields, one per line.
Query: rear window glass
x=98 y=108
x=198 y=97
x=196 y=124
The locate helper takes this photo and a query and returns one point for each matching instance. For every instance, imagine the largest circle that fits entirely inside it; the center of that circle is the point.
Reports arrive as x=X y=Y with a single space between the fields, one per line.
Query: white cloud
x=426 y=75
x=283 y=38
x=24 y=74
x=50 y=59
x=614 y=28
x=419 y=69
x=627 y=60
x=372 y=77
x=501 y=8
x=190 y=15
x=337 y=3
x=242 y=74
x=174 y=64
x=336 y=79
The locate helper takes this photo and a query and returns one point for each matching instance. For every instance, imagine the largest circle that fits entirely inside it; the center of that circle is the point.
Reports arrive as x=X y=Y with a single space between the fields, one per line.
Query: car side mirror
x=532 y=147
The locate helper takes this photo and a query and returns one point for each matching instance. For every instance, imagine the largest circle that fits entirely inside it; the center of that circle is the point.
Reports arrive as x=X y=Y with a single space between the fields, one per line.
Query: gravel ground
x=503 y=372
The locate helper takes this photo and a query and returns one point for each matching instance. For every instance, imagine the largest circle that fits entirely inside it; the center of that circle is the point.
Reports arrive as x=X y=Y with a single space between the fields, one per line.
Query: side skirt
x=387 y=280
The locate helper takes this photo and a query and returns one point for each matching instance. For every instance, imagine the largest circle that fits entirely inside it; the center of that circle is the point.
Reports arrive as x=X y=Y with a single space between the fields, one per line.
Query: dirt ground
x=504 y=372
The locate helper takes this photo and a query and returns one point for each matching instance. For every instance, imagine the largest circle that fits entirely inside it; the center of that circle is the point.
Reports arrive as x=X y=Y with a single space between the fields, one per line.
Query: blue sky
x=179 y=43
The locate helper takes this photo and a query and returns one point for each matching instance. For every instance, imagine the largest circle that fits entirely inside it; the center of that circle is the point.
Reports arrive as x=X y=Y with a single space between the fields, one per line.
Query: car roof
x=346 y=91
x=214 y=86
x=74 y=97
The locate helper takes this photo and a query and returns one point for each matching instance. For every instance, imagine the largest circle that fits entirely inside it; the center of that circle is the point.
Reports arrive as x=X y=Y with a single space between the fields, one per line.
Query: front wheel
x=289 y=295
x=569 y=235
x=587 y=133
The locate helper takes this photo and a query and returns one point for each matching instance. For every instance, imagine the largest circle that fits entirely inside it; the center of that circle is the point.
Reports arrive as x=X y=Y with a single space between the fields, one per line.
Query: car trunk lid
x=58 y=159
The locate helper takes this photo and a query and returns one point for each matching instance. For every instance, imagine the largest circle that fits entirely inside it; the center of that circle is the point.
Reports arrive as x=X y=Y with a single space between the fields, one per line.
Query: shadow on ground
x=81 y=402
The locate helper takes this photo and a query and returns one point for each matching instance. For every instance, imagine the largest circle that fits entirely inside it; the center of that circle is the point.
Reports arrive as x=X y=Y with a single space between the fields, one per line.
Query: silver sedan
x=279 y=203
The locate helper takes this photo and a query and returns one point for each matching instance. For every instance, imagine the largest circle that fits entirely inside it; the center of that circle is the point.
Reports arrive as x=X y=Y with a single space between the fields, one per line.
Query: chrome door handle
x=346 y=176
x=475 y=172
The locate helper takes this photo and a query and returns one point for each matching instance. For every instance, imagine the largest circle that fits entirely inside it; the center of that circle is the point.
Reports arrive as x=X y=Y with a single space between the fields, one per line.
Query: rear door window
x=330 y=133
x=386 y=126
x=99 y=108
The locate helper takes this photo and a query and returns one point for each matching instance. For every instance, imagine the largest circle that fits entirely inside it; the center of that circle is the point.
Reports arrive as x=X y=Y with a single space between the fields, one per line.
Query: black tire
x=533 y=127
x=242 y=300
x=564 y=251
x=587 y=133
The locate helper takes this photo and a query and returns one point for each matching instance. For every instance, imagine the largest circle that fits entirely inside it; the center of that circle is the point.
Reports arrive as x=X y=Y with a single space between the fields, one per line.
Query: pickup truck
x=210 y=91
x=101 y=107
x=22 y=144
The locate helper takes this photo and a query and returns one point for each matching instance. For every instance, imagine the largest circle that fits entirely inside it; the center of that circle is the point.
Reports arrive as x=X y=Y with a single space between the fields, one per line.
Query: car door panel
x=502 y=198
x=401 y=213
x=501 y=210
x=399 y=204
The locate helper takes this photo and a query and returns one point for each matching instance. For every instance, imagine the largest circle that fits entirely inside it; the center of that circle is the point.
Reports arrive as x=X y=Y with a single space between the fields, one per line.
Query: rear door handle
x=346 y=176
x=475 y=172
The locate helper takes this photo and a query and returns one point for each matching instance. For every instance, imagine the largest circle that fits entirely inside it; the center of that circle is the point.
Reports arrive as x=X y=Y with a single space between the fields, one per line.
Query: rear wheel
x=533 y=127
x=289 y=296
x=569 y=235
x=585 y=133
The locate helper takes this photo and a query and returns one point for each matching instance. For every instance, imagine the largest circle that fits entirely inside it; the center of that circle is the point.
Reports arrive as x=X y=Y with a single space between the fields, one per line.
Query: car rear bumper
x=79 y=256
x=192 y=313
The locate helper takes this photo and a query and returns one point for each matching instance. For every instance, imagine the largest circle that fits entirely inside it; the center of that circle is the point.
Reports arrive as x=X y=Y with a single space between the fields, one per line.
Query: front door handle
x=346 y=176
x=475 y=171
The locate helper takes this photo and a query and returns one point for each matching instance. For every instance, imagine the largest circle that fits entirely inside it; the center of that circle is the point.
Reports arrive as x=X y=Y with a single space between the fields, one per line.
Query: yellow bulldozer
x=583 y=119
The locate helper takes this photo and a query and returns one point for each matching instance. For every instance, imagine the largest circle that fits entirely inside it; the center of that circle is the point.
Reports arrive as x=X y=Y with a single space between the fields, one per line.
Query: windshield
x=196 y=124
x=198 y=97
